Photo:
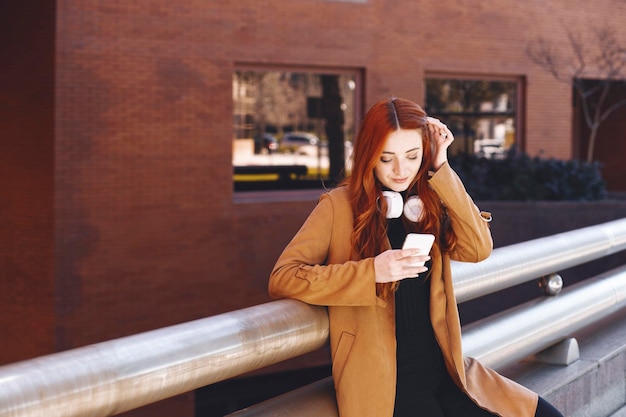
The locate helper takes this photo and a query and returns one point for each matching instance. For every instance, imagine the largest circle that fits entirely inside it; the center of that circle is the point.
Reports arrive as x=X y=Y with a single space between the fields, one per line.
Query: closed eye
x=386 y=157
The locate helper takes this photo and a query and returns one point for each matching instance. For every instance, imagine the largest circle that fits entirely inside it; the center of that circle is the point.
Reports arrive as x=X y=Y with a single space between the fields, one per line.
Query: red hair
x=370 y=224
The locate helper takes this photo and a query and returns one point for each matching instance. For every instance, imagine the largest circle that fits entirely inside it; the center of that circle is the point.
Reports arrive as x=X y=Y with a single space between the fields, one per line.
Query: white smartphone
x=421 y=241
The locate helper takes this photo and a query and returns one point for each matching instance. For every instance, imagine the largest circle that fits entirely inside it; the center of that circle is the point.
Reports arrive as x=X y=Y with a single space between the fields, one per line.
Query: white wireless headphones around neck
x=412 y=209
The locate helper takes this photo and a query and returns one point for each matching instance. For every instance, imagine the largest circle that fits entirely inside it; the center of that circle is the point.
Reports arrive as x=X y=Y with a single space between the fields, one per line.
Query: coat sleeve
x=470 y=225
x=302 y=272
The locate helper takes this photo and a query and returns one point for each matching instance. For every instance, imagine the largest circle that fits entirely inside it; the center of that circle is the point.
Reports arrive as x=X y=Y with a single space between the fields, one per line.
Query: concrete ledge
x=595 y=385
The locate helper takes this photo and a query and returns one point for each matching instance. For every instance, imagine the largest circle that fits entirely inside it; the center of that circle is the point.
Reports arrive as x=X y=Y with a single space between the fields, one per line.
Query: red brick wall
x=137 y=215
x=26 y=179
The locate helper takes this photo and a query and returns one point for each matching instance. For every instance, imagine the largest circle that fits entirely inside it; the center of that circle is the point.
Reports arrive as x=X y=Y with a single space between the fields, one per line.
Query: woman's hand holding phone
x=421 y=241
x=397 y=264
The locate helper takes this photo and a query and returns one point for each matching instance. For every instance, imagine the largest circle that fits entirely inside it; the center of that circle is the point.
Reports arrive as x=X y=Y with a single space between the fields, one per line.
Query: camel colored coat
x=318 y=267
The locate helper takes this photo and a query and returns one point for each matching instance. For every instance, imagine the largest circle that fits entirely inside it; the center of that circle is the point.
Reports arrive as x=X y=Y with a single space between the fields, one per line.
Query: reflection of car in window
x=300 y=142
x=266 y=143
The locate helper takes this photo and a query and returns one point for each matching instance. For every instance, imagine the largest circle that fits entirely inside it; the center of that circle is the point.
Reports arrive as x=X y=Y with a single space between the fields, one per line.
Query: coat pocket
x=346 y=340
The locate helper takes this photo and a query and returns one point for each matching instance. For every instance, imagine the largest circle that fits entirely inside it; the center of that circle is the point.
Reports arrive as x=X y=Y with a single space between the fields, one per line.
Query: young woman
x=394 y=327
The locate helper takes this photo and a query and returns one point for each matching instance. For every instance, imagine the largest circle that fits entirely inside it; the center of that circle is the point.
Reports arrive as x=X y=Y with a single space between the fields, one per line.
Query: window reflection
x=482 y=114
x=291 y=129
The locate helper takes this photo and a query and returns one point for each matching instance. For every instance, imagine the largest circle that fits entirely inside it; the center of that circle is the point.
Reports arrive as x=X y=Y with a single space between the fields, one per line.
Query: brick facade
x=116 y=200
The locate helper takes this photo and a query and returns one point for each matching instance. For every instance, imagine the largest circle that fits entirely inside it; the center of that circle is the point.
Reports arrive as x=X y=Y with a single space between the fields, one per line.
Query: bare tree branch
x=580 y=88
x=540 y=52
x=611 y=109
x=606 y=67
x=579 y=54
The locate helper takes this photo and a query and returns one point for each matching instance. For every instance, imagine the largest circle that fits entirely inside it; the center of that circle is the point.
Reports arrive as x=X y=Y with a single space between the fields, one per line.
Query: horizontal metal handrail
x=521 y=262
x=126 y=373
x=497 y=341
x=505 y=338
x=111 y=377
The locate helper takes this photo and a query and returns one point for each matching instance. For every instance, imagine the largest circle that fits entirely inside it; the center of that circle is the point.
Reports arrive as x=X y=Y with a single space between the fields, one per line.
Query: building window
x=483 y=114
x=292 y=129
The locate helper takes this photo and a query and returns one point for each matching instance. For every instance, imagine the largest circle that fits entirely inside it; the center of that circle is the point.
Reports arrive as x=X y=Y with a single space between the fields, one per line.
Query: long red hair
x=370 y=224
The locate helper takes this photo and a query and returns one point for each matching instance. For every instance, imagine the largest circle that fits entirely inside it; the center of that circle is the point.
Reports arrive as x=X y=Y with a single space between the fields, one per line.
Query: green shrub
x=520 y=177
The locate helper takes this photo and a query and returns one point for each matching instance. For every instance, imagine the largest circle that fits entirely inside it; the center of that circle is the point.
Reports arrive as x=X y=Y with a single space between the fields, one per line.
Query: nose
x=398 y=167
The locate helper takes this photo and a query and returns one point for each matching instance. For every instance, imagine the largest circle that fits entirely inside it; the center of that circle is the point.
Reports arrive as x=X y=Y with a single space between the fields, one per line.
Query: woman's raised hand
x=442 y=137
x=396 y=264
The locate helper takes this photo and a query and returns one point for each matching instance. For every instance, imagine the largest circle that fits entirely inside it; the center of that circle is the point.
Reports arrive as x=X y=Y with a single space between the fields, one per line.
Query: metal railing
x=515 y=264
x=111 y=377
x=115 y=376
x=495 y=341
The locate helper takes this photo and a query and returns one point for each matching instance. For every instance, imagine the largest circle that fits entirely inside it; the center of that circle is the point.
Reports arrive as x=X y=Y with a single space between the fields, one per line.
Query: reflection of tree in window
x=267 y=103
x=480 y=113
x=333 y=115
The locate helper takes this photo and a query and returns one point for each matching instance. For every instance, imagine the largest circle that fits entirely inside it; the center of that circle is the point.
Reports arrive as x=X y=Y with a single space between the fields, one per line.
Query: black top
x=413 y=294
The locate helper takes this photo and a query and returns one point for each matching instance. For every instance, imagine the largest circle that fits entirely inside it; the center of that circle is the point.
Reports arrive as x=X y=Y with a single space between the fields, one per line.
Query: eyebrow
x=410 y=150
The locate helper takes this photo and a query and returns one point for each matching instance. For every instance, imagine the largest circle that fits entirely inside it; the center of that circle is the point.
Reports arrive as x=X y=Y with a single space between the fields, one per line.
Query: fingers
x=433 y=121
x=395 y=265
x=408 y=253
x=439 y=129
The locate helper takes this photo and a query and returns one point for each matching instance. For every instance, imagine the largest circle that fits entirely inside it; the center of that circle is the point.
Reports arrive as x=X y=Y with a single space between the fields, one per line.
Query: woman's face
x=400 y=160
